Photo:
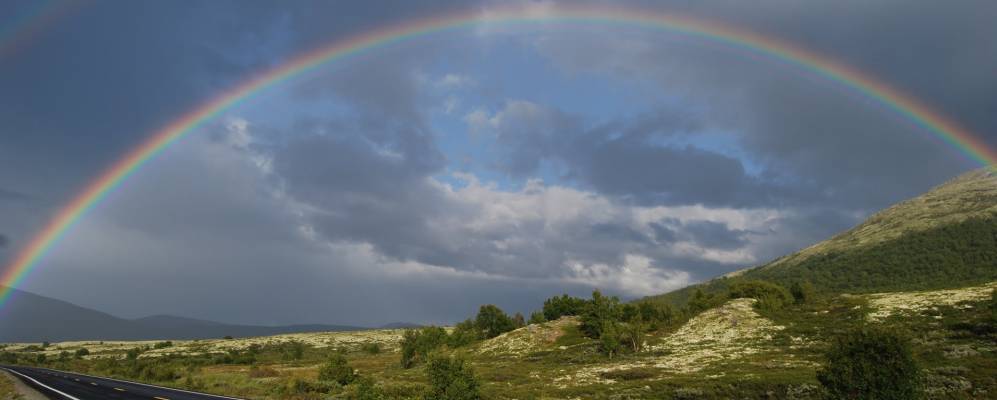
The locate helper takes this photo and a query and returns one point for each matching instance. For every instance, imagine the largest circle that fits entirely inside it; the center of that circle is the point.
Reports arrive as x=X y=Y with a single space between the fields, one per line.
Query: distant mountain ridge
x=945 y=238
x=28 y=317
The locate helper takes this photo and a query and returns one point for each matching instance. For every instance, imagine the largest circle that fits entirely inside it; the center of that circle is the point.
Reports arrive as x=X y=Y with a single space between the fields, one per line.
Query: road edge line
x=148 y=385
x=42 y=384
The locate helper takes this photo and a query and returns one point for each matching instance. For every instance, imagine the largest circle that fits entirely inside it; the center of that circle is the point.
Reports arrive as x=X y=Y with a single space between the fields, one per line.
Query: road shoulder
x=21 y=391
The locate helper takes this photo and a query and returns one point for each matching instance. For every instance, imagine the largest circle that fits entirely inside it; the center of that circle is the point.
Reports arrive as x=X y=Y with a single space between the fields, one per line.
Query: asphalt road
x=59 y=385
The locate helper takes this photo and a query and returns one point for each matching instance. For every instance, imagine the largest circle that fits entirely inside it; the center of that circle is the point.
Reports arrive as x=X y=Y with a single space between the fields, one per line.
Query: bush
x=8 y=357
x=371 y=348
x=82 y=352
x=464 y=334
x=451 y=379
x=163 y=345
x=366 y=389
x=337 y=370
x=292 y=350
x=492 y=321
x=803 y=292
x=557 y=307
x=770 y=296
x=537 y=317
x=993 y=305
x=418 y=343
x=870 y=363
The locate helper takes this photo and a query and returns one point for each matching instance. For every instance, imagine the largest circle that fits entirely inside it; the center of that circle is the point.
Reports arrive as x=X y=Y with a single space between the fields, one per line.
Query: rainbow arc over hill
x=727 y=36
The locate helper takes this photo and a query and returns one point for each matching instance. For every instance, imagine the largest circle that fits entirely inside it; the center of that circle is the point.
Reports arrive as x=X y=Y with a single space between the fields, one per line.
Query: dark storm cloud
x=627 y=159
x=3 y=241
x=10 y=195
x=844 y=150
x=215 y=223
x=715 y=234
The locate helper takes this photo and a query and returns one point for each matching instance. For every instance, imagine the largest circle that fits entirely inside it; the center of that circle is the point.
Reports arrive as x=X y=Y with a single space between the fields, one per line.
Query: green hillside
x=911 y=289
x=945 y=238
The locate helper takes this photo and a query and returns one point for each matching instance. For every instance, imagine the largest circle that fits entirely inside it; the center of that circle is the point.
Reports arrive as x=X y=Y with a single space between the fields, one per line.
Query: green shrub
x=464 y=334
x=870 y=363
x=537 y=317
x=337 y=369
x=491 y=321
x=293 y=350
x=366 y=389
x=163 y=345
x=557 y=307
x=993 y=305
x=770 y=296
x=803 y=292
x=7 y=357
x=418 y=343
x=451 y=379
x=371 y=348
x=82 y=352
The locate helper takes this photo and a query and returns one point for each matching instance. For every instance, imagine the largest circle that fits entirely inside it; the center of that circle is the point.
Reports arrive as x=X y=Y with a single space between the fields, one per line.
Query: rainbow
x=26 y=26
x=771 y=48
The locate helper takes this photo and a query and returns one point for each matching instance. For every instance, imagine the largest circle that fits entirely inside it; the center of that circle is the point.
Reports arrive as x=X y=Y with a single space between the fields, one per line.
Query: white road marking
x=43 y=385
x=160 y=387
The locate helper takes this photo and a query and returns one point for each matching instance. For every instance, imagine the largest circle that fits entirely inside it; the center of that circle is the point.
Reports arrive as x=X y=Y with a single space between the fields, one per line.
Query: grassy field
x=7 y=391
x=734 y=350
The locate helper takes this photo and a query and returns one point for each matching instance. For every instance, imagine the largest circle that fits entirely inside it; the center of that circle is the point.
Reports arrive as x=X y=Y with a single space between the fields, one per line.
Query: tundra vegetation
x=754 y=340
x=902 y=306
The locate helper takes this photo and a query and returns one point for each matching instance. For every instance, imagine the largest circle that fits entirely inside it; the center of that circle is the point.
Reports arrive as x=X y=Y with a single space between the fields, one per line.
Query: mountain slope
x=944 y=238
x=28 y=317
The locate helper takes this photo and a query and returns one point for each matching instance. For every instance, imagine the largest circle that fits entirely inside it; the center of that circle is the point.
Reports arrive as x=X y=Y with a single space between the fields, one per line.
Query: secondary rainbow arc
x=907 y=107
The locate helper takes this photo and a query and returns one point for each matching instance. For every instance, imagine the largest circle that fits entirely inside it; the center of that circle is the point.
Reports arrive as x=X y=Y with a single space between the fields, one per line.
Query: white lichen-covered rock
x=722 y=334
x=527 y=339
x=728 y=332
x=887 y=304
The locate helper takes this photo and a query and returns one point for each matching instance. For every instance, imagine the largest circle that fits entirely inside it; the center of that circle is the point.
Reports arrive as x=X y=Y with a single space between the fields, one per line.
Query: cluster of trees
x=952 y=255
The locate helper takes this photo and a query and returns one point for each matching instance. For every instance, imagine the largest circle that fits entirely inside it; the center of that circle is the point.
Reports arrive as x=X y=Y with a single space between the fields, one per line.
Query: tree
x=632 y=333
x=609 y=339
x=337 y=369
x=599 y=311
x=557 y=307
x=418 y=343
x=518 y=321
x=492 y=321
x=698 y=302
x=870 y=363
x=537 y=317
x=451 y=379
x=464 y=334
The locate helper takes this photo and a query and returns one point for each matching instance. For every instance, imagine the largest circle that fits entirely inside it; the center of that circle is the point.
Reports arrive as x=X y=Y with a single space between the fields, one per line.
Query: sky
x=491 y=164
